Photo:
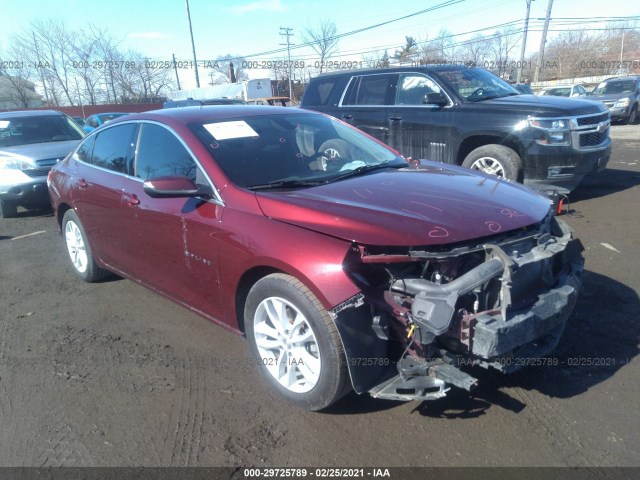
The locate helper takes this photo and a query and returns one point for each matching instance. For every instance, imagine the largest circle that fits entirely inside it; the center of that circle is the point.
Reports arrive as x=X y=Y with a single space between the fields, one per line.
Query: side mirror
x=174 y=187
x=435 y=98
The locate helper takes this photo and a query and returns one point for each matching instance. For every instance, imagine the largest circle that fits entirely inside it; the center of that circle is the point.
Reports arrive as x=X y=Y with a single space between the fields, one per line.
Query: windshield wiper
x=286 y=184
x=367 y=168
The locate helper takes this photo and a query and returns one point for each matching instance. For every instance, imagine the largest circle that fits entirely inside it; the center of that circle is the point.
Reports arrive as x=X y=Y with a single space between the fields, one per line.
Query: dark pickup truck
x=468 y=116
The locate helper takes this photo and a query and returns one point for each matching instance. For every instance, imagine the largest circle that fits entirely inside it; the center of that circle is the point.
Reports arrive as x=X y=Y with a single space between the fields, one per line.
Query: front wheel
x=633 y=116
x=8 y=209
x=295 y=342
x=79 y=251
x=496 y=160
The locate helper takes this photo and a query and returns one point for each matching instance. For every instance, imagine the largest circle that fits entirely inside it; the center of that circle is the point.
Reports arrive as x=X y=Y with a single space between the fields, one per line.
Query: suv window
x=113 y=148
x=369 y=90
x=319 y=92
x=161 y=154
x=413 y=88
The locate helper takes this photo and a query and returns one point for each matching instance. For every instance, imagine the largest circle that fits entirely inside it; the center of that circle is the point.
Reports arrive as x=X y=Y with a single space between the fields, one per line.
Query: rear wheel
x=79 y=250
x=8 y=209
x=495 y=160
x=295 y=342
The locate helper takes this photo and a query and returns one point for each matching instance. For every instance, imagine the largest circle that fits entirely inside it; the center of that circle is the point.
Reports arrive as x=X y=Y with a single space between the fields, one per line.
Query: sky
x=159 y=28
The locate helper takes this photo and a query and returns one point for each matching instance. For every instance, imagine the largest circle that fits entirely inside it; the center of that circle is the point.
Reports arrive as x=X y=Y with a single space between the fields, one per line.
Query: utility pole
x=543 y=40
x=175 y=67
x=524 y=43
x=193 y=46
x=287 y=33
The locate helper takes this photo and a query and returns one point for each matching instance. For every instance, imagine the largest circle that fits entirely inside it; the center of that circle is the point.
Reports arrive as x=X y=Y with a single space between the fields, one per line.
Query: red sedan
x=345 y=265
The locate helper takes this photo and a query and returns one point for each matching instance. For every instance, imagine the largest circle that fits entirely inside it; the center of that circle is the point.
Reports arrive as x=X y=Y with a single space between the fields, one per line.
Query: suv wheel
x=295 y=342
x=633 y=116
x=8 y=209
x=495 y=160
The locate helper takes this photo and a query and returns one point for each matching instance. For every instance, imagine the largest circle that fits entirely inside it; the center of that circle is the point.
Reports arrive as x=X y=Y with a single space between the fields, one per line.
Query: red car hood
x=434 y=205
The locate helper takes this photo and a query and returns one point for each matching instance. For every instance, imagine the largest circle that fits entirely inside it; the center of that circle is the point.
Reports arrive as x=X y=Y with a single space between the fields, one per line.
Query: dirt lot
x=112 y=374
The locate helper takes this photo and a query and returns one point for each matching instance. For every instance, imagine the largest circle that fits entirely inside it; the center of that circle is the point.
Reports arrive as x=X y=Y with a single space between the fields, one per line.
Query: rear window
x=319 y=92
x=16 y=131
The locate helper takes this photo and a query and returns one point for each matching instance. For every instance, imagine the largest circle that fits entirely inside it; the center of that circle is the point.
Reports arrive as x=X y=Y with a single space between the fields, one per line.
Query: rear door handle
x=396 y=118
x=131 y=199
x=347 y=116
x=82 y=183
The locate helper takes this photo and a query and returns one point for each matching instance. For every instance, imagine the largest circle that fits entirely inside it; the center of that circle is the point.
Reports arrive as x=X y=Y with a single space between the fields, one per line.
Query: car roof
x=211 y=112
x=625 y=77
x=29 y=113
x=111 y=113
x=435 y=68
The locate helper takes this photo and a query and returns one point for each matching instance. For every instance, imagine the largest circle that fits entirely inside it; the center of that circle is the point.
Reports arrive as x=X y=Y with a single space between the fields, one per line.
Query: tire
x=79 y=251
x=8 y=209
x=633 y=116
x=496 y=160
x=311 y=373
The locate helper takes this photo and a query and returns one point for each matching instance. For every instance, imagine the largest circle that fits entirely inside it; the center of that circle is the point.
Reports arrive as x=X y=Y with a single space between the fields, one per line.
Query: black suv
x=468 y=116
x=621 y=95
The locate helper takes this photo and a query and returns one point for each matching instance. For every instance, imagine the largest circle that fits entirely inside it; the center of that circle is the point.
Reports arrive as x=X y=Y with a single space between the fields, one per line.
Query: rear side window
x=319 y=92
x=161 y=154
x=113 y=148
x=369 y=90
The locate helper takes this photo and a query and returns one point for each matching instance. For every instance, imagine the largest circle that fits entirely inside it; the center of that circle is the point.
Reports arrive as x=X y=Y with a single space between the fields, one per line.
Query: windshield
x=476 y=84
x=615 y=87
x=289 y=151
x=16 y=131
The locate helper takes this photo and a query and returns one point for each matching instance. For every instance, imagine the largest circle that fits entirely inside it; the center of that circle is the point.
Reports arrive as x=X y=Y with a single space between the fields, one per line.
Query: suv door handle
x=347 y=116
x=396 y=118
x=82 y=183
x=132 y=199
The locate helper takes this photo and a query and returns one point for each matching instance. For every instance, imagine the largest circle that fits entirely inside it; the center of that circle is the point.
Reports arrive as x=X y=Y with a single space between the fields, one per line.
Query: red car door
x=172 y=243
x=100 y=168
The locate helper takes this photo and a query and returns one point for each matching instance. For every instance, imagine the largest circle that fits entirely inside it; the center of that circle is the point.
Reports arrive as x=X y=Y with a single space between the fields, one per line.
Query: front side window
x=414 y=89
x=475 y=84
x=113 y=148
x=161 y=154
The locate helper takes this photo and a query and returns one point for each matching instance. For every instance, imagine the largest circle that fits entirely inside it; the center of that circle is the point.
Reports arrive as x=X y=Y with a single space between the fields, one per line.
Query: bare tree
x=323 y=40
x=226 y=68
x=504 y=43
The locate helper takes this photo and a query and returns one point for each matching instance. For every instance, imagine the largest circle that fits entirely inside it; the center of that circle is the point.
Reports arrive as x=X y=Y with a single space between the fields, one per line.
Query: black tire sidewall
x=8 y=209
x=330 y=384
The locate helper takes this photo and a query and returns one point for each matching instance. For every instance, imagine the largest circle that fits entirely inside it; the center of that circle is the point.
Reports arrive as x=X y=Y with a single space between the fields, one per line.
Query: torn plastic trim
x=434 y=305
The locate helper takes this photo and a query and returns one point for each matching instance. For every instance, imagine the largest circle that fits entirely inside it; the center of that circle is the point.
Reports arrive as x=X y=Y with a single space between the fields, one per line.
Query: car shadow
x=607 y=182
x=600 y=338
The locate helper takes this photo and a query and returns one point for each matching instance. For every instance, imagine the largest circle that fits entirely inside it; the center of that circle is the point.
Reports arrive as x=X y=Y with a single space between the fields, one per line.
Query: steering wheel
x=325 y=162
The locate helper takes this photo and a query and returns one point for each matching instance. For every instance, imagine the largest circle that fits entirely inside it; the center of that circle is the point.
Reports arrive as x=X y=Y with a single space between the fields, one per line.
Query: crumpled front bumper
x=508 y=338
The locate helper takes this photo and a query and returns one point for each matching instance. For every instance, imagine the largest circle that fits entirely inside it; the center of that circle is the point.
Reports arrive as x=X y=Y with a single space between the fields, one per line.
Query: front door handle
x=131 y=199
x=82 y=183
x=347 y=116
x=395 y=118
